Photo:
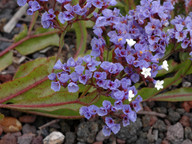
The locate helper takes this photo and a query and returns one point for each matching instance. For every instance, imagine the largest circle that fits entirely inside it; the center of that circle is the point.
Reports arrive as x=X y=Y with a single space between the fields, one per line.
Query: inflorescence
x=137 y=42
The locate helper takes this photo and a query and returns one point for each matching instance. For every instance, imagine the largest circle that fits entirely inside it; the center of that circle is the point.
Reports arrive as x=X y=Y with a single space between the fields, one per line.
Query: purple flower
x=180 y=36
x=118 y=104
x=185 y=43
x=83 y=79
x=109 y=121
x=21 y=2
x=63 y=1
x=136 y=105
x=97 y=3
x=33 y=6
x=106 y=131
x=93 y=109
x=73 y=87
x=125 y=83
x=115 y=128
x=100 y=75
x=126 y=109
x=119 y=95
x=126 y=121
x=64 y=77
x=52 y=76
x=83 y=109
x=71 y=62
x=55 y=86
x=111 y=85
x=105 y=65
x=79 y=69
x=107 y=104
x=102 y=111
x=46 y=19
x=135 y=77
x=132 y=116
x=58 y=65
x=74 y=76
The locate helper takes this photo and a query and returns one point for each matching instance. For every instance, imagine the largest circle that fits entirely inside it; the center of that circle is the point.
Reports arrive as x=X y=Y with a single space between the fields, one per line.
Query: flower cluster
x=51 y=18
x=137 y=41
x=182 y=31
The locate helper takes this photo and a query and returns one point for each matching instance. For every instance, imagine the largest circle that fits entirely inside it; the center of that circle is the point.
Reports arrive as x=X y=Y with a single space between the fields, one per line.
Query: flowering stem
x=85 y=92
x=34 y=18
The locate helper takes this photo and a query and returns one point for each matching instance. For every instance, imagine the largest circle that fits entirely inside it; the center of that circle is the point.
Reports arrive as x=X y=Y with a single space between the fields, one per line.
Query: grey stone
x=173 y=116
x=4 y=45
x=188 y=133
x=143 y=134
x=25 y=139
x=87 y=131
x=142 y=141
x=160 y=125
x=37 y=140
x=129 y=131
x=146 y=120
x=158 y=141
x=64 y=126
x=180 y=111
x=186 y=84
x=100 y=136
x=161 y=110
x=175 y=133
x=132 y=140
x=54 y=138
x=28 y=129
x=187 y=141
x=37 y=55
x=70 y=138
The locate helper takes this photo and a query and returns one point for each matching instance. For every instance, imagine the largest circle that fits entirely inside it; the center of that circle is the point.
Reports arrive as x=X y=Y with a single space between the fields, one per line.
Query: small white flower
x=130 y=42
x=131 y=95
x=146 y=72
x=165 y=65
x=159 y=84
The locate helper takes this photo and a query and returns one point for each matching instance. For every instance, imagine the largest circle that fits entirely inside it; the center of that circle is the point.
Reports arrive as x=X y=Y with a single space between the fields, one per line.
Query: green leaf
x=31 y=92
x=182 y=94
x=38 y=43
x=81 y=37
x=6 y=60
x=183 y=56
x=22 y=34
x=26 y=68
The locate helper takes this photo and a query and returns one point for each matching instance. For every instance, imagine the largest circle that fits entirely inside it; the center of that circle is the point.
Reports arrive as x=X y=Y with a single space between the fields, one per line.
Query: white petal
x=130 y=42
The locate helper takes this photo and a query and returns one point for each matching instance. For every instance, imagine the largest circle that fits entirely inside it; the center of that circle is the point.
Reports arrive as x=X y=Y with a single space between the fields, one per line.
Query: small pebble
x=187 y=141
x=173 y=116
x=185 y=121
x=175 y=133
x=186 y=84
x=8 y=139
x=54 y=138
x=28 y=129
x=37 y=140
x=25 y=139
x=87 y=131
x=70 y=138
x=10 y=124
x=27 y=119
x=160 y=125
x=100 y=136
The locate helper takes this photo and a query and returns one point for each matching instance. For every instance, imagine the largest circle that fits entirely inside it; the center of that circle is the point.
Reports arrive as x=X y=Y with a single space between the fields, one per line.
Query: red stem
x=43 y=105
x=171 y=96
